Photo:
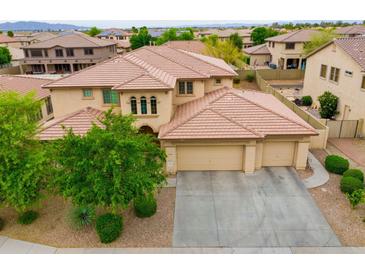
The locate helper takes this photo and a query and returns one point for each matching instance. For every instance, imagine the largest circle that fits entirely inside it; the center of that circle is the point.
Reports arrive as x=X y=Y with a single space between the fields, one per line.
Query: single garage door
x=278 y=154
x=209 y=157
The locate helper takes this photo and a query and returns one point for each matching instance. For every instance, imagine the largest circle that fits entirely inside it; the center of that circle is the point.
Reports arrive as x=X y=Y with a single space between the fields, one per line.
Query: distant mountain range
x=38 y=26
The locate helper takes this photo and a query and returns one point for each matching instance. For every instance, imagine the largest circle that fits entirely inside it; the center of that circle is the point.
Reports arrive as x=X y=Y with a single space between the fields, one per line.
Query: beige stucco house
x=287 y=50
x=66 y=53
x=339 y=67
x=259 y=55
x=351 y=31
x=223 y=34
x=187 y=100
x=120 y=36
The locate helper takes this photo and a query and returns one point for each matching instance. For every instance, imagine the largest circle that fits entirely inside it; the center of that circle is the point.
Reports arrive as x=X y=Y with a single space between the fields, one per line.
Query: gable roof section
x=72 y=40
x=24 y=85
x=192 y=46
x=6 y=39
x=303 y=35
x=80 y=122
x=234 y=114
x=351 y=30
x=257 y=50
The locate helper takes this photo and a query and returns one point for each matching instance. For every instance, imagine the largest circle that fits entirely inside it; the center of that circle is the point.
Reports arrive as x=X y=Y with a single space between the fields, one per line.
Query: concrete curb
x=320 y=175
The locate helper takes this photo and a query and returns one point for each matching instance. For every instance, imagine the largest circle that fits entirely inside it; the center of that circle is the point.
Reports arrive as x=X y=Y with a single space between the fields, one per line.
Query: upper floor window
x=110 y=96
x=335 y=74
x=49 y=106
x=88 y=51
x=70 y=52
x=153 y=105
x=289 y=45
x=87 y=93
x=273 y=44
x=133 y=105
x=36 y=53
x=59 y=52
x=45 y=53
x=185 y=87
x=363 y=82
x=218 y=81
x=26 y=53
x=323 y=72
x=143 y=105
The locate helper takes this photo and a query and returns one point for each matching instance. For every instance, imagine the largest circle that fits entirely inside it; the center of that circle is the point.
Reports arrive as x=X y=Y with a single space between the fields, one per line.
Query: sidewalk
x=320 y=175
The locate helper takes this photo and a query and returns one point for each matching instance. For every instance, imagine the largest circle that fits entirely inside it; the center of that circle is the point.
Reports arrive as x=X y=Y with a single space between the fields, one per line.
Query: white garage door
x=278 y=154
x=209 y=158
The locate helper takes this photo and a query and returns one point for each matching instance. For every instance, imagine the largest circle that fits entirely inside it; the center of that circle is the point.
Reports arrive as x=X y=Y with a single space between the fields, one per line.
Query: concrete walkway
x=320 y=175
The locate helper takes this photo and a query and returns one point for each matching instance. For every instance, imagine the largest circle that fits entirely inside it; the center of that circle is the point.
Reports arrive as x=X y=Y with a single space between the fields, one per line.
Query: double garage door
x=231 y=157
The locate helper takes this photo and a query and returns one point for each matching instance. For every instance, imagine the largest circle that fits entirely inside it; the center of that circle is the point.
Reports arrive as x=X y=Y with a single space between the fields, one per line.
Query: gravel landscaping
x=347 y=223
x=52 y=227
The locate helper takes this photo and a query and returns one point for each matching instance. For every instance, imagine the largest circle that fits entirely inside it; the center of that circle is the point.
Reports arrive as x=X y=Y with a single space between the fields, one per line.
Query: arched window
x=153 y=105
x=133 y=105
x=143 y=105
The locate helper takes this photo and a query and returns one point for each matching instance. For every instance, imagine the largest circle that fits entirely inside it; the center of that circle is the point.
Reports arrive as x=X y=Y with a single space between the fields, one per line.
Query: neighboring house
x=188 y=100
x=66 y=53
x=287 y=50
x=24 y=85
x=351 y=31
x=121 y=37
x=26 y=39
x=17 y=56
x=192 y=46
x=6 y=41
x=224 y=34
x=339 y=67
x=259 y=55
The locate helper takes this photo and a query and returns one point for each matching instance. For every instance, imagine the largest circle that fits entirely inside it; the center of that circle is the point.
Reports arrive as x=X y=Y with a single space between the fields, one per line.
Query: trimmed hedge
x=145 y=206
x=356 y=173
x=350 y=184
x=2 y=224
x=109 y=227
x=27 y=217
x=307 y=100
x=336 y=164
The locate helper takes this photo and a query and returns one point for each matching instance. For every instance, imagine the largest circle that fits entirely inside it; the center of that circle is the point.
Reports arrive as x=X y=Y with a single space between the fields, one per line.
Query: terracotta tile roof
x=355 y=47
x=72 y=40
x=303 y=35
x=80 y=121
x=192 y=46
x=123 y=44
x=24 y=85
x=6 y=39
x=351 y=30
x=163 y=64
x=230 y=114
x=257 y=50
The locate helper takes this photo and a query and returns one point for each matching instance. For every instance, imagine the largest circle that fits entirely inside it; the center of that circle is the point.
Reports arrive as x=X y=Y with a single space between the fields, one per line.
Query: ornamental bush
x=328 y=105
x=307 y=100
x=145 y=206
x=336 y=164
x=250 y=76
x=356 y=197
x=109 y=227
x=27 y=217
x=350 y=184
x=81 y=217
x=356 y=173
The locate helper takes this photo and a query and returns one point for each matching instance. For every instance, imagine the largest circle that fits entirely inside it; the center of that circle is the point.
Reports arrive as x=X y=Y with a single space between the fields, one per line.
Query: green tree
x=5 y=56
x=23 y=162
x=10 y=33
x=172 y=35
x=259 y=34
x=236 y=40
x=318 y=40
x=140 y=39
x=328 y=105
x=225 y=50
x=109 y=166
x=94 y=31
x=134 y=29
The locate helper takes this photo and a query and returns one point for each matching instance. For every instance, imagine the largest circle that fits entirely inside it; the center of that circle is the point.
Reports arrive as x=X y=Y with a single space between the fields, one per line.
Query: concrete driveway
x=270 y=208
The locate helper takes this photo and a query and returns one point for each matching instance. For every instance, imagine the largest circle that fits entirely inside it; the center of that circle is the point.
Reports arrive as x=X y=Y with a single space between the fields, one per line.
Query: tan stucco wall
x=210 y=84
x=348 y=89
x=198 y=91
x=279 y=51
x=259 y=60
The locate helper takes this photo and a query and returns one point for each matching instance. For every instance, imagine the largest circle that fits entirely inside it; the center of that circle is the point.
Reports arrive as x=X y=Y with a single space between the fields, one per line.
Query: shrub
x=356 y=197
x=2 y=223
x=80 y=217
x=336 y=164
x=350 y=184
x=307 y=100
x=27 y=217
x=328 y=105
x=356 y=173
x=145 y=206
x=250 y=76
x=109 y=226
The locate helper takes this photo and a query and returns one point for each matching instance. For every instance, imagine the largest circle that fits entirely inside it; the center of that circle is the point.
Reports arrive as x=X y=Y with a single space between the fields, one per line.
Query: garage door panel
x=278 y=154
x=209 y=158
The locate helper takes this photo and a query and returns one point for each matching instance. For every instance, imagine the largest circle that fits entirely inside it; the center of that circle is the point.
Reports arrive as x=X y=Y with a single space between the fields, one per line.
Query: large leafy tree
x=5 y=56
x=140 y=39
x=258 y=35
x=109 y=166
x=318 y=40
x=172 y=35
x=94 y=31
x=22 y=157
x=10 y=33
x=236 y=40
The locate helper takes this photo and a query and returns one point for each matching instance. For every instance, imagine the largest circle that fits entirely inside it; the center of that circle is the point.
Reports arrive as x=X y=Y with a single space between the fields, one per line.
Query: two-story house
x=339 y=67
x=120 y=36
x=188 y=100
x=351 y=31
x=66 y=53
x=287 y=50
x=224 y=34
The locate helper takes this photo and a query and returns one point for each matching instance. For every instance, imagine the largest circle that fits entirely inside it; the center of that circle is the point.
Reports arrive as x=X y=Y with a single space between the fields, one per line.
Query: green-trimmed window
x=87 y=93
x=110 y=96
x=143 y=105
x=133 y=105
x=153 y=105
